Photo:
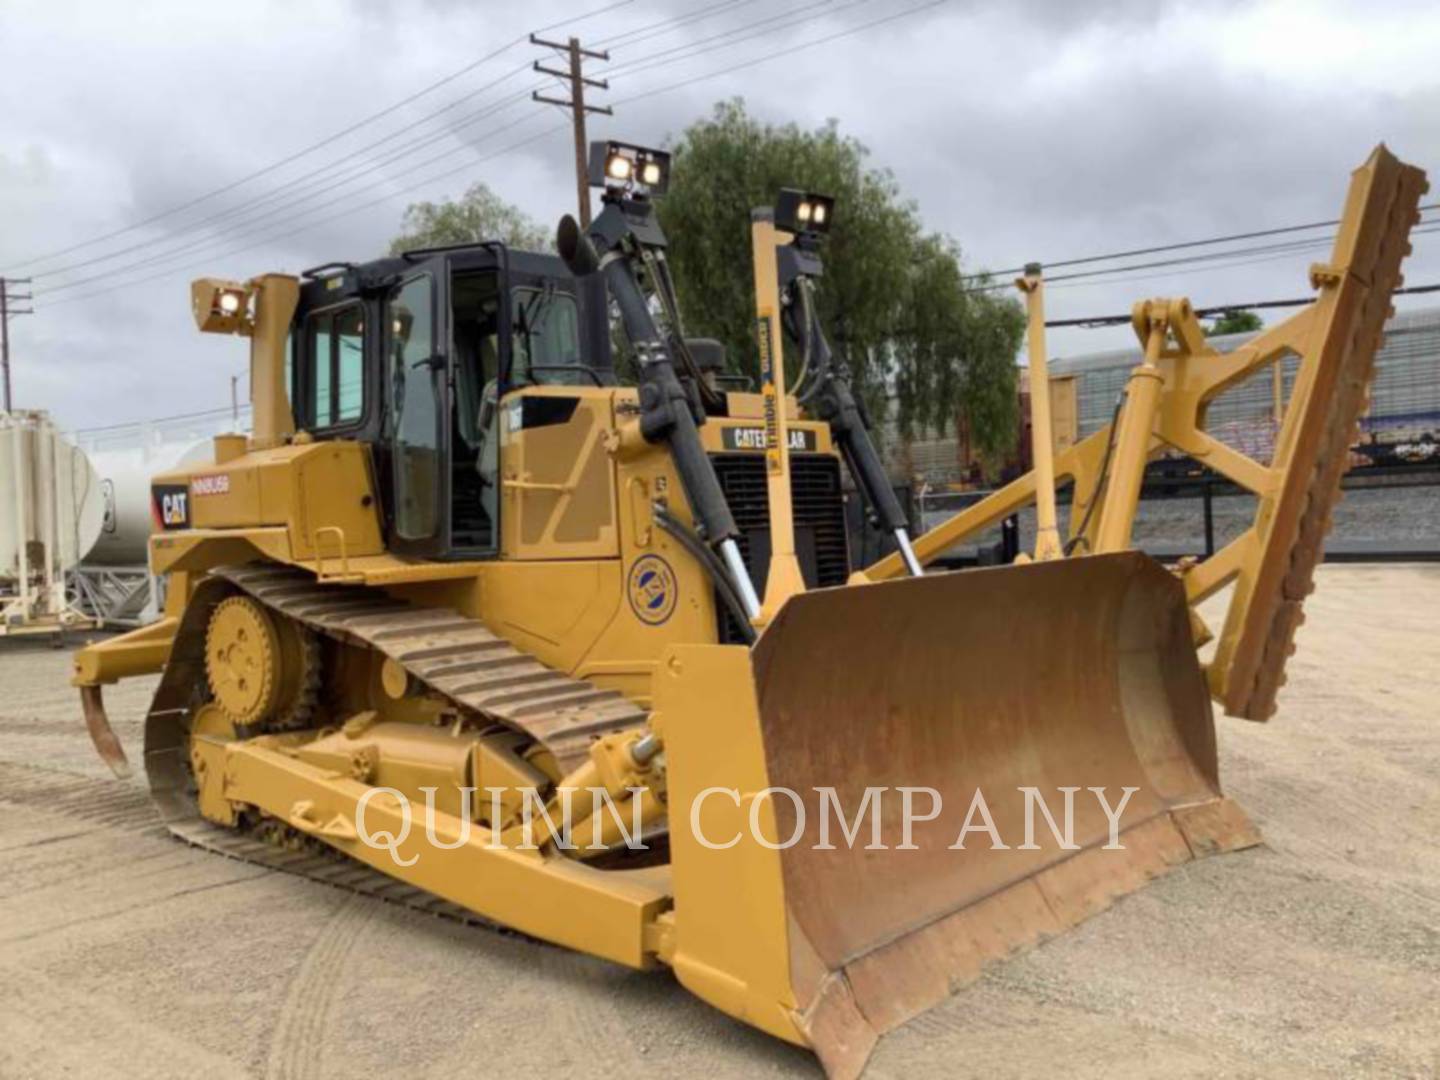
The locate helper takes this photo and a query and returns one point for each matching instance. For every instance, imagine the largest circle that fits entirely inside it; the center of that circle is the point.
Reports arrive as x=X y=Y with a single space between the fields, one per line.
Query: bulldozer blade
x=956 y=704
x=107 y=745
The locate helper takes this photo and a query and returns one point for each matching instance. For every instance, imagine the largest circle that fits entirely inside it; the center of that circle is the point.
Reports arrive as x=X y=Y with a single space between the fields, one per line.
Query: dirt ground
x=124 y=953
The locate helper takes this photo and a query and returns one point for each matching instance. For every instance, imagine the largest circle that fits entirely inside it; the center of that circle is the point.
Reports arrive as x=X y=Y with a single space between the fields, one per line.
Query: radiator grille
x=818 y=507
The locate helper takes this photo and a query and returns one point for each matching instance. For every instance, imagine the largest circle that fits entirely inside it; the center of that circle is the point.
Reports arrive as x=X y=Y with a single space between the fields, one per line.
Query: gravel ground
x=1393 y=516
x=124 y=953
x=1374 y=515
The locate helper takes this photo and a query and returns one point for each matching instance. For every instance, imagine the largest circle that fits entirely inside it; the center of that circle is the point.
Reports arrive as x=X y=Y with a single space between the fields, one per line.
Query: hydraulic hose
x=659 y=268
x=832 y=399
x=666 y=412
x=712 y=565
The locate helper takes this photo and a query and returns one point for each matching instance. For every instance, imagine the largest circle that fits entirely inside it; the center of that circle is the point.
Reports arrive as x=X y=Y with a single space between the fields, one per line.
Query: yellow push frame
x=1271 y=564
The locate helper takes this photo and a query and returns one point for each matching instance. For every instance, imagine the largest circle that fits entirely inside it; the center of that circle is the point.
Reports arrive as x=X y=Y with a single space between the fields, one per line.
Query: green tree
x=894 y=299
x=1235 y=322
x=479 y=214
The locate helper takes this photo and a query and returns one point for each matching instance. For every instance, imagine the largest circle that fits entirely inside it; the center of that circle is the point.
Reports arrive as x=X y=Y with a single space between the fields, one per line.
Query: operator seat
x=476 y=368
x=487 y=460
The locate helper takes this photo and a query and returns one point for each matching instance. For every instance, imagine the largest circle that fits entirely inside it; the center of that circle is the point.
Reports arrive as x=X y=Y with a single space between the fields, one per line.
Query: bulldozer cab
x=415 y=356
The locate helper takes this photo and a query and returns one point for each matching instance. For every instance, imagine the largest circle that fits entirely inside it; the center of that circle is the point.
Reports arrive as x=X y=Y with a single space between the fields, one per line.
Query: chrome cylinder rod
x=730 y=552
x=902 y=538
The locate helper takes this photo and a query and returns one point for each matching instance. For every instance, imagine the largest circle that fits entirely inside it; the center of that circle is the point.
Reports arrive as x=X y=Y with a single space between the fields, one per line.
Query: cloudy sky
x=1043 y=130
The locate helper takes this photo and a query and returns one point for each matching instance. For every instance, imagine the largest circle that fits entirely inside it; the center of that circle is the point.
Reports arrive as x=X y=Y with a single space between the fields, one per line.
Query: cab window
x=416 y=397
x=335 y=351
x=545 y=344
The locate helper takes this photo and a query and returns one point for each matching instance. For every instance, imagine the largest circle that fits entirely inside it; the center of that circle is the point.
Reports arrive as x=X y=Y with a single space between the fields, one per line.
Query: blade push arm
x=1165 y=406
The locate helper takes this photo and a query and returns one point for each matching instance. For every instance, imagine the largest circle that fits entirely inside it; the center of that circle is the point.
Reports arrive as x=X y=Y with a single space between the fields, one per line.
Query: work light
x=623 y=166
x=220 y=307
x=799 y=211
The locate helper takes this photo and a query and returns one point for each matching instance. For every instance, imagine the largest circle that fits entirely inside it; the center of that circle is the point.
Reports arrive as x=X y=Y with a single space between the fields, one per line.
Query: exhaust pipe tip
x=575 y=248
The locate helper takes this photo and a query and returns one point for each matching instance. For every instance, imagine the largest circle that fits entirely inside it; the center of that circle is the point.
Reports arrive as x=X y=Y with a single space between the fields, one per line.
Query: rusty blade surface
x=1073 y=674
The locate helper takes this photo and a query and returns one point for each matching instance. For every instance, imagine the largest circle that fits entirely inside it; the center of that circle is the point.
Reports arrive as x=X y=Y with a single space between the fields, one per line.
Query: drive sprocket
x=263 y=670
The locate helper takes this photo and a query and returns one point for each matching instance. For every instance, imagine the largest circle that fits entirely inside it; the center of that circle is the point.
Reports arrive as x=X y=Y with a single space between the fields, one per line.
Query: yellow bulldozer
x=590 y=661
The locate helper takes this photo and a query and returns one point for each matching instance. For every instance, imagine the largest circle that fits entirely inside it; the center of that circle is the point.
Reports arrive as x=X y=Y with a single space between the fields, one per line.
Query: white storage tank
x=114 y=584
x=125 y=474
x=50 y=496
x=127 y=456
x=51 y=512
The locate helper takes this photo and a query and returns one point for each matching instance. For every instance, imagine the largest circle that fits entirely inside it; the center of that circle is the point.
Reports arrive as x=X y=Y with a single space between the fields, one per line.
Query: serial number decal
x=753 y=438
x=211 y=485
x=769 y=394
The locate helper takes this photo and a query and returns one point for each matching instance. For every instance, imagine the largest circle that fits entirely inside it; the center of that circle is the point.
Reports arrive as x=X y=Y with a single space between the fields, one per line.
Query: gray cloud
x=1043 y=130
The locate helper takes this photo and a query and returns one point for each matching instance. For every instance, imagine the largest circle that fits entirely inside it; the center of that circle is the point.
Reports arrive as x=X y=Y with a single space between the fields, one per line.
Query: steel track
x=449 y=654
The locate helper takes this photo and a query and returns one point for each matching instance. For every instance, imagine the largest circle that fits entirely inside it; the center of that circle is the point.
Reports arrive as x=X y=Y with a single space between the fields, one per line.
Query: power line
x=715 y=42
x=286 y=231
x=1269 y=252
x=470 y=118
x=327 y=141
x=1185 y=244
x=1093 y=322
x=688 y=50
x=1290 y=248
x=248 y=227
x=209 y=259
x=666 y=26
x=1096 y=321
x=1230 y=264
x=326 y=169
x=327 y=180
x=324 y=173
x=789 y=51
x=273 y=166
x=185 y=248
x=175 y=418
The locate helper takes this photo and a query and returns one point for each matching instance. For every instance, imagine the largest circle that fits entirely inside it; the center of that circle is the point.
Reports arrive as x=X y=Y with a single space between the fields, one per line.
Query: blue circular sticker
x=652 y=589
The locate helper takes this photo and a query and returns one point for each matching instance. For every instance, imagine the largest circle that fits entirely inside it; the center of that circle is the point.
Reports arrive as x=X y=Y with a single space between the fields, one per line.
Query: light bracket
x=624 y=167
x=801 y=212
x=222 y=307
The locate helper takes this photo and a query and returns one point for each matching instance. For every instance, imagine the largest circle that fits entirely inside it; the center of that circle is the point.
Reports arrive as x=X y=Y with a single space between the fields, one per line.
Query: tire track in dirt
x=51 y=1027
x=297 y=1045
x=27 y=725
x=32 y=724
x=108 y=803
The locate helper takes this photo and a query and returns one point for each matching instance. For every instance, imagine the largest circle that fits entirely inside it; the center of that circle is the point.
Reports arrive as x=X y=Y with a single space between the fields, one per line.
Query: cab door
x=415 y=329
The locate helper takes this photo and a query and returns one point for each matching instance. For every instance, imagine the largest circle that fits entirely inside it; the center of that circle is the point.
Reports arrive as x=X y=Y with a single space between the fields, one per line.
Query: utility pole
x=7 y=311
x=578 y=109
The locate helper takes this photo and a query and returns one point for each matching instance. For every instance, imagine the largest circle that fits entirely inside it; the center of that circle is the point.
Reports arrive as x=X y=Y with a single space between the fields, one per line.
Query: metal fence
x=1402 y=425
x=1404 y=399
